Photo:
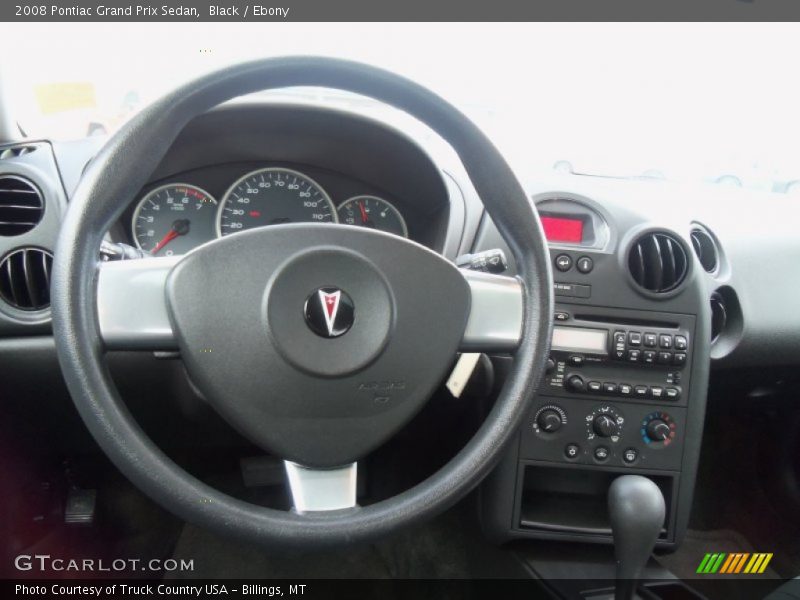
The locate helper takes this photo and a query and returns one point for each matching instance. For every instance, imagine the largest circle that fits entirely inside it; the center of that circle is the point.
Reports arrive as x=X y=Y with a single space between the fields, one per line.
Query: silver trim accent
x=132 y=307
x=131 y=304
x=495 y=317
x=315 y=490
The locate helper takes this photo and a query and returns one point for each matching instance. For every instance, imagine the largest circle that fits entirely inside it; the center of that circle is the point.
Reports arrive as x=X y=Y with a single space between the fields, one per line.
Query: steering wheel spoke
x=319 y=490
x=495 y=317
x=131 y=304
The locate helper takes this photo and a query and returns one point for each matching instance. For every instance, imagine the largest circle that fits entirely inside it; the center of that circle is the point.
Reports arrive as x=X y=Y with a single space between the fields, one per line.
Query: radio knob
x=549 y=420
x=605 y=426
x=574 y=383
x=658 y=430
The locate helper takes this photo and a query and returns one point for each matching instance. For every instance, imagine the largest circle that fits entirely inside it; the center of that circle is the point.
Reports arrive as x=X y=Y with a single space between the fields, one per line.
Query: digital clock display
x=561 y=229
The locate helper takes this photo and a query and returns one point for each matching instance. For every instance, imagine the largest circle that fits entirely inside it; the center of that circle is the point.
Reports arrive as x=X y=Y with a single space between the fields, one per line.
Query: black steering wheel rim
x=122 y=168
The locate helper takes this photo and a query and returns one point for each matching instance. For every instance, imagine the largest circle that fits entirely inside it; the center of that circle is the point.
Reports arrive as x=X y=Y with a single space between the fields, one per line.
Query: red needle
x=364 y=217
x=171 y=235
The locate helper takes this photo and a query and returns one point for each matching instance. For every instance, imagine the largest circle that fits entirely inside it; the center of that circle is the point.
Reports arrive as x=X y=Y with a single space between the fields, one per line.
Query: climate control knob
x=658 y=430
x=605 y=426
x=549 y=420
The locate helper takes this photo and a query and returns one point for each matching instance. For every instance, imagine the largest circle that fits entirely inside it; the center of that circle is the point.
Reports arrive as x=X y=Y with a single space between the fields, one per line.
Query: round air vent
x=705 y=249
x=25 y=278
x=719 y=315
x=658 y=262
x=21 y=205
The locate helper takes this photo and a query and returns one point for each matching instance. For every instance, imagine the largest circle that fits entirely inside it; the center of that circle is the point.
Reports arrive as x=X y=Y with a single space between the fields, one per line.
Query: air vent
x=25 y=278
x=21 y=205
x=719 y=315
x=658 y=262
x=16 y=151
x=705 y=249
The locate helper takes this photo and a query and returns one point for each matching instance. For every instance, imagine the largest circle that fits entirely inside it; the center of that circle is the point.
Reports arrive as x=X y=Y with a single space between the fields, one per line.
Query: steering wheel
x=315 y=341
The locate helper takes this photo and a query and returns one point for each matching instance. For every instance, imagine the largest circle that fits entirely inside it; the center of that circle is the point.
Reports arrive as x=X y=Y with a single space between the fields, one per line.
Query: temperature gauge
x=373 y=212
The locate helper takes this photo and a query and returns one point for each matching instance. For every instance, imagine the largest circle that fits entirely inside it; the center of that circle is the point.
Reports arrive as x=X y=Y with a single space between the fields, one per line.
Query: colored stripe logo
x=734 y=563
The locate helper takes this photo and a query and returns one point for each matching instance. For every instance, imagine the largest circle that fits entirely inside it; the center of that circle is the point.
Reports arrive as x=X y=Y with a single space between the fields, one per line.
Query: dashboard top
x=750 y=238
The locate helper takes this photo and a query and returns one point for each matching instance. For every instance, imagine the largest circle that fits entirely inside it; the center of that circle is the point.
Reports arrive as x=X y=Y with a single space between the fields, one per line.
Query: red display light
x=559 y=229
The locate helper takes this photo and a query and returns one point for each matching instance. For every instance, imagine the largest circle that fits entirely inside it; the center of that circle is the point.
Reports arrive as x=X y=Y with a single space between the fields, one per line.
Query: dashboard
x=655 y=283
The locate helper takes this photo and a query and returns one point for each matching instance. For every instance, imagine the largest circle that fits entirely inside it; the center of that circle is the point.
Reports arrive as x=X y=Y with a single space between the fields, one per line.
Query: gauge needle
x=179 y=227
x=364 y=217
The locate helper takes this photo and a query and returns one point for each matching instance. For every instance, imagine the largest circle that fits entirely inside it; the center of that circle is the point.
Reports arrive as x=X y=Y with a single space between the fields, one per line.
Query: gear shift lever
x=636 y=507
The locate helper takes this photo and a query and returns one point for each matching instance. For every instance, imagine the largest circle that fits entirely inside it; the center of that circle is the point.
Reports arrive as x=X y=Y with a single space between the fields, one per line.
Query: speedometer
x=273 y=196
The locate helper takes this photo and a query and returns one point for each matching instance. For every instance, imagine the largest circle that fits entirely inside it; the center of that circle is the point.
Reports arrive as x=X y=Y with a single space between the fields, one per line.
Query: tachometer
x=173 y=219
x=373 y=212
x=273 y=196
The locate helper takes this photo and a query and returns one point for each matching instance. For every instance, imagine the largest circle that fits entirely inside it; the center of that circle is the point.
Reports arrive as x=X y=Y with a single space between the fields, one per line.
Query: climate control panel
x=613 y=434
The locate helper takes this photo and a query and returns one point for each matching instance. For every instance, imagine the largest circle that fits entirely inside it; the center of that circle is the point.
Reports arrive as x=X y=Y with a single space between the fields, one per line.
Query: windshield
x=694 y=102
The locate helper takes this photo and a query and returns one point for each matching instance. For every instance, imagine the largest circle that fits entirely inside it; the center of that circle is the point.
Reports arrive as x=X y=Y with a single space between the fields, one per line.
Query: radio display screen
x=578 y=339
x=562 y=229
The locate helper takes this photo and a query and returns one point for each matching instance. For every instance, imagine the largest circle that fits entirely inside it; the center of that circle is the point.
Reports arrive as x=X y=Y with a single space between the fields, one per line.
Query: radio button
x=625 y=389
x=634 y=338
x=642 y=391
x=665 y=340
x=665 y=358
x=672 y=393
x=650 y=340
x=619 y=338
x=680 y=342
x=610 y=388
x=656 y=392
x=679 y=359
x=594 y=386
x=634 y=355
x=649 y=357
x=576 y=360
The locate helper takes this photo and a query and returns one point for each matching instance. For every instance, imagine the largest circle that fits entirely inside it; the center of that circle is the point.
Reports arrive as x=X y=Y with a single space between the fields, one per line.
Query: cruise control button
x=650 y=340
x=601 y=453
x=625 y=389
x=563 y=262
x=665 y=358
x=649 y=357
x=656 y=391
x=634 y=355
x=630 y=455
x=665 y=341
x=672 y=393
x=679 y=358
x=572 y=451
x=594 y=386
x=641 y=391
x=634 y=338
x=680 y=342
x=585 y=264
x=610 y=388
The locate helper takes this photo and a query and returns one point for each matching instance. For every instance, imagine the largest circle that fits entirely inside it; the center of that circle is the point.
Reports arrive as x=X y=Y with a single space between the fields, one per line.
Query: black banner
x=400 y=10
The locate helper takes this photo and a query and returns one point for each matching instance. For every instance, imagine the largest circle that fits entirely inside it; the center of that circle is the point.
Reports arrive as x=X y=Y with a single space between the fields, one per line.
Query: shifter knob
x=636 y=508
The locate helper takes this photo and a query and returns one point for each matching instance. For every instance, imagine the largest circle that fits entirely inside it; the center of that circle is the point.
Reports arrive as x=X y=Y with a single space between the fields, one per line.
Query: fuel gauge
x=373 y=212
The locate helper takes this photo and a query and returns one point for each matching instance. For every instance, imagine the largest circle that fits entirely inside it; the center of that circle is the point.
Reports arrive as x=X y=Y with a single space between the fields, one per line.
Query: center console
x=625 y=382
